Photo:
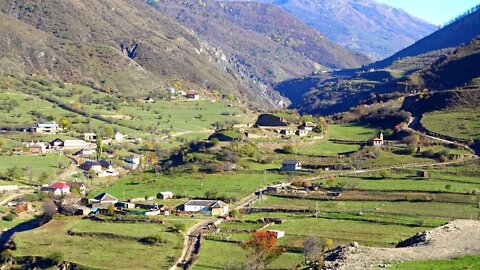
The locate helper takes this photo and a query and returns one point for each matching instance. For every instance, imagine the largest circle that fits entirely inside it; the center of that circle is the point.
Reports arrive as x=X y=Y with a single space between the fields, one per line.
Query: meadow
x=460 y=123
x=236 y=184
x=38 y=164
x=97 y=251
x=465 y=263
x=213 y=256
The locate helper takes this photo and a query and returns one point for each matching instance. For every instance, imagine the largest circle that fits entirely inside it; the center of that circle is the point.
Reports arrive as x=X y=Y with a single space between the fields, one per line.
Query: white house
x=57 y=189
x=291 y=165
x=89 y=137
x=192 y=94
x=119 y=137
x=76 y=144
x=214 y=207
x=309 y=126
x=165 y=195
x=377 y=142
x=278 y=234
x=104 y=198
x=51 y=127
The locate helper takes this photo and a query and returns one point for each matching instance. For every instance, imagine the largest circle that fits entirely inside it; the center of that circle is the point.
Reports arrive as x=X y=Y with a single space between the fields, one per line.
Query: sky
x=437 y=12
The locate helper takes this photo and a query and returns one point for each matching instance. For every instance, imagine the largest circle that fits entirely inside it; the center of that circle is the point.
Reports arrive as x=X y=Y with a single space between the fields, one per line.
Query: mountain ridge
x=125 y=45
x=372 y=28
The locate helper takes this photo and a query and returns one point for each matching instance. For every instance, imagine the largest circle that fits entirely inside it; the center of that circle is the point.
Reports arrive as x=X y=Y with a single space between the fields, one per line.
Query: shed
x=165 y=195
x=291 y=165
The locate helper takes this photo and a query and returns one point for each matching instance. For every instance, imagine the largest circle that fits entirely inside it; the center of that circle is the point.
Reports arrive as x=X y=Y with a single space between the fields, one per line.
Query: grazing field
x=99 y=252
x=236 y=184
x=88 y=109
x=464 y=263
x=212 y=257
x=386 y=158
x=326 y=148
x=133 y=230
x=462 y=123
x=297 y=227
x=416 y=209
x=38 y=164
x=350 y=132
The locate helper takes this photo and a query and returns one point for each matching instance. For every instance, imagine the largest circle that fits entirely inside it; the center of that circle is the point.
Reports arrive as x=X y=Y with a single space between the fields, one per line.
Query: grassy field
x=464 y=263
x=99 y=252
x=133 y=230
x=191 y=185
x=351 y=132
x=417 y=209
x=326 y=147
x=462 y=123
x=130 y=117
x=38 y=164
x=341 y=231
x=212 y=257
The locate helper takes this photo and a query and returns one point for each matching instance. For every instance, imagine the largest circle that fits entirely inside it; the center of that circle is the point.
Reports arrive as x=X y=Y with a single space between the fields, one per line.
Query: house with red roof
x=192 y=94
x=60 y=188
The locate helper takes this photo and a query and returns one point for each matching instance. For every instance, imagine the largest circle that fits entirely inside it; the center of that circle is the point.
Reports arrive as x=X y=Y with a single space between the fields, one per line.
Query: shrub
x=153 y=240
x=56 y=257
x=8 y=217
x=288 y=149
x=180 y=227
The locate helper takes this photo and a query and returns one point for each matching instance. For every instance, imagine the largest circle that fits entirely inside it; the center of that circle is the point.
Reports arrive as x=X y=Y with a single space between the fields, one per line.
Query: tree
x=99 y=147
x=288 y=149
x=14 y=173
x=56 y=257
x=64 y=122
x=412 y=140
x=385 y=174
x=43 y=178
x=261 y=250
x=147 y=178
x=312 y=250
x=49 y=209
x=109 y=132
x=211 y=194
x=111 y=210
x=179 y=227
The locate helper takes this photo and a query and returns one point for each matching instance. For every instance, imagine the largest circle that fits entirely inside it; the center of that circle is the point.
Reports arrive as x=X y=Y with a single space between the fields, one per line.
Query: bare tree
x=49 y=209
x=312 y=250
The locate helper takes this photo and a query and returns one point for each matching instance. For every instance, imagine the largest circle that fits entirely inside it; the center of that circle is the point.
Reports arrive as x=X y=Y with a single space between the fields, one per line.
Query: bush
x=288 y=149
x=180 y=227
x=8 y=217
x=56 y=257
x=153 y=240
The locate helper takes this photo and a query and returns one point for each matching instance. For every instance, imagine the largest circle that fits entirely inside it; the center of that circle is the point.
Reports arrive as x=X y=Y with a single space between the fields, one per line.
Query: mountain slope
x=366 y=26
x=456 y=70
x=125 y=45
x=264 y=39
x=453 y=35
x=415 y=69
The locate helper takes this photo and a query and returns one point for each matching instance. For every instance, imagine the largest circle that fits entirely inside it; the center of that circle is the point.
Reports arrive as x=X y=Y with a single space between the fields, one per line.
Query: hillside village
x=152 y=135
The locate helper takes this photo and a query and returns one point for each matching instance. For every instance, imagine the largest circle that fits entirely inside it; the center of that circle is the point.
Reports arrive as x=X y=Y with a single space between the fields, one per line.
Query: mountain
x=458 y=69
x=442 y=68
x=461 y=31
x=124 y=45
x=262 y=39
x=374 y=29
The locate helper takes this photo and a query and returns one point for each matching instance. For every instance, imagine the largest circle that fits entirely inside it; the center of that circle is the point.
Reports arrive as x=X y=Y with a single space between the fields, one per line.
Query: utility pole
x=316 y=209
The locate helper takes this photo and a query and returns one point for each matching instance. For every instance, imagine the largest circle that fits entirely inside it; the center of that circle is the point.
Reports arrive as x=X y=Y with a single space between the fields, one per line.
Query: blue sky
x=437 y=12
